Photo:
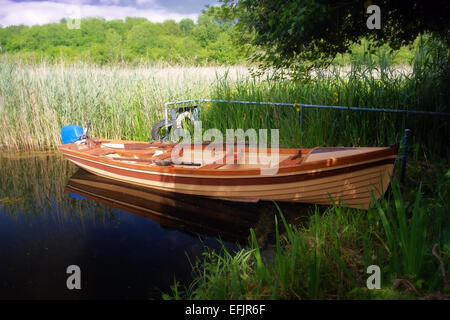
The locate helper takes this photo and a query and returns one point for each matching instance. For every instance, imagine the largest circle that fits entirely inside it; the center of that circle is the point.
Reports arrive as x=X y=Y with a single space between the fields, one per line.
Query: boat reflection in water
x=222 y=219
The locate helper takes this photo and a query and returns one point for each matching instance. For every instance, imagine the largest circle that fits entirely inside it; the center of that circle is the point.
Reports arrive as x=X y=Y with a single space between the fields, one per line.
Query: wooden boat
x=320 y=175
x=226 y=220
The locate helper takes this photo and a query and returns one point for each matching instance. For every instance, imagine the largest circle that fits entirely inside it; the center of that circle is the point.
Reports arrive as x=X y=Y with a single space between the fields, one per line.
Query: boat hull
x=350 y=183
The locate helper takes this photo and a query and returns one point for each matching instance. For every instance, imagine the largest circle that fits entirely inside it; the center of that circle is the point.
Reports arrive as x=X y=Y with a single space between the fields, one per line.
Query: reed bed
x=124 y=102
x=121 y=102
x=367 y=82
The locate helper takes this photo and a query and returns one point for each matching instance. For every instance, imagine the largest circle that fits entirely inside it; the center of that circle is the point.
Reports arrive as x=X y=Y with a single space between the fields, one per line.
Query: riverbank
x=337 y=253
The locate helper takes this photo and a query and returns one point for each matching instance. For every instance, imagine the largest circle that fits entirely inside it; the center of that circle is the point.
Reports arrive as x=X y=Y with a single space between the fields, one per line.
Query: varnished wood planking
x=268 y=194
x=351 y=178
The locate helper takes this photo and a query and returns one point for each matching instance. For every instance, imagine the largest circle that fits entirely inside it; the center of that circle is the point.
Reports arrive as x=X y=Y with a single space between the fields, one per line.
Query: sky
x=32 y=12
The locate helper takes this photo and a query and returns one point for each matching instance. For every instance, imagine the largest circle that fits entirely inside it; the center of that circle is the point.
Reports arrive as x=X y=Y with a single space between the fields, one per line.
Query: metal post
x=167 y=121
x=404 y=153
x=173 y=114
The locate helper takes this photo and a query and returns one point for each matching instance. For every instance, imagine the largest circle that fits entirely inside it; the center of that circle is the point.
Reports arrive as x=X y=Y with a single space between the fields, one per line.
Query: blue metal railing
x=301 y=106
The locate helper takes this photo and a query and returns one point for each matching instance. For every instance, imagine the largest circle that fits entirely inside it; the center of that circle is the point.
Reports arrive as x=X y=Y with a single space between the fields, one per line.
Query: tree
x=105 y=41
x=171 y=27
x=300 y=34
x=113 y=43
x=143 y=36
x=186 y=25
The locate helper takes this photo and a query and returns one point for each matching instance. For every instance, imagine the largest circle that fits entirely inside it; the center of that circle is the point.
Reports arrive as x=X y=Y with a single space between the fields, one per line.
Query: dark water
x=129 y=242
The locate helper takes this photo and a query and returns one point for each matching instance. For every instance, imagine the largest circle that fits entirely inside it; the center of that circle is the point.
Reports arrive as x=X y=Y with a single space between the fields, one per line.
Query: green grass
x=327 y=258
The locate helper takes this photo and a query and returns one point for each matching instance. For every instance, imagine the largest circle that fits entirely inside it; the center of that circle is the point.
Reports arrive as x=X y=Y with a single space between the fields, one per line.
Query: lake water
x=129 y=242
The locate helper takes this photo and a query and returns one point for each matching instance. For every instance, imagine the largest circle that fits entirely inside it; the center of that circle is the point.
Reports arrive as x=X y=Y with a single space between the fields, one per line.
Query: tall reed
x=124 y=102
x=121 y=102
x=369 y=81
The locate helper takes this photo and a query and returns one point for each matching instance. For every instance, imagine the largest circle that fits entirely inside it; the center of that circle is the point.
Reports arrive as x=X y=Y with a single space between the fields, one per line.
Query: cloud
x=42 y=12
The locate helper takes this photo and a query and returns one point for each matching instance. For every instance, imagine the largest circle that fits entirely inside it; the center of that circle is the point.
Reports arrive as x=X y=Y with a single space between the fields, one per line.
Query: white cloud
x=31 y=13
x=146 y=2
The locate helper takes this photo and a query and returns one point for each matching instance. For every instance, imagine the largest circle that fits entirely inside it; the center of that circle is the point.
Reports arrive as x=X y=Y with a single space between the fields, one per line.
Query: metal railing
x=302 y=106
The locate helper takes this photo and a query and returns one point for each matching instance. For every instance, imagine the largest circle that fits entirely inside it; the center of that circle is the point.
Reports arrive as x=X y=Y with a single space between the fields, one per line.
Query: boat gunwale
x=318 y=165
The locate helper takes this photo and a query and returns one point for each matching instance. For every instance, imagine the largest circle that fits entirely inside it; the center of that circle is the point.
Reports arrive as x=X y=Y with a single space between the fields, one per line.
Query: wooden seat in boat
x=222 y=162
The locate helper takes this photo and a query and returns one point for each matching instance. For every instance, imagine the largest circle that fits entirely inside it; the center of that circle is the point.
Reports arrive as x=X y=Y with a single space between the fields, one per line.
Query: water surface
x=129 y=242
